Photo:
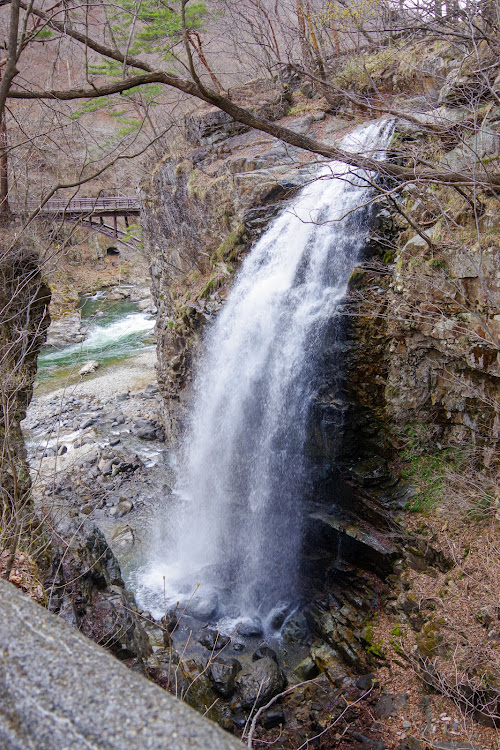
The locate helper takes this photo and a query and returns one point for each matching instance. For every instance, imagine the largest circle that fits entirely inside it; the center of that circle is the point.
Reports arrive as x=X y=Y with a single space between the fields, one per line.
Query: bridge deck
x=79 y=207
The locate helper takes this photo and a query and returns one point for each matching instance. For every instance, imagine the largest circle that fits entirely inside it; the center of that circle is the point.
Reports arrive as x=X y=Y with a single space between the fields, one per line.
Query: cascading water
x=236 y=529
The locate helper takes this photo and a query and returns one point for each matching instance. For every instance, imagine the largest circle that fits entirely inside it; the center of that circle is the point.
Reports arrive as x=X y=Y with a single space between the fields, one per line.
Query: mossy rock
x=430 y=641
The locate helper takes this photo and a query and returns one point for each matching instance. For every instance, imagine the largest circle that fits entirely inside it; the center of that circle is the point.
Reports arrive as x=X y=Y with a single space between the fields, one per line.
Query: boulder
x=264 y=651
x=222 y=675
x=213 y=639
x=89 y=367
x=259 y=682
x=123 y=536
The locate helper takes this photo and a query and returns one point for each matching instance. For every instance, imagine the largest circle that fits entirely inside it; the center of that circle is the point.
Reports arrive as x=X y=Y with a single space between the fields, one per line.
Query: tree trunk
x=4 y=175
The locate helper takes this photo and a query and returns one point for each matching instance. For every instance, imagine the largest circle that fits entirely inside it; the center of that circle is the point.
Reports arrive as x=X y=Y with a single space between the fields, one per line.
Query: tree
x=128 y=49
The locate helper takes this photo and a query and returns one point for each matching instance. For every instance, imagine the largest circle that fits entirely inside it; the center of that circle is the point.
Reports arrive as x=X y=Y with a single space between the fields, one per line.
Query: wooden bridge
x=91 y=213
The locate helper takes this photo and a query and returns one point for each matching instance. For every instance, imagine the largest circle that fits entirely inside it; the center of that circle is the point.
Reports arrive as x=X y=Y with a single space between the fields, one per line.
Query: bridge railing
x=82 y=205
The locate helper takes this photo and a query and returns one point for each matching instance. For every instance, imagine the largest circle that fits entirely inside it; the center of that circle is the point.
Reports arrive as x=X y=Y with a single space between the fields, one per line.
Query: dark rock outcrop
x=86 y=589
x=259 y=681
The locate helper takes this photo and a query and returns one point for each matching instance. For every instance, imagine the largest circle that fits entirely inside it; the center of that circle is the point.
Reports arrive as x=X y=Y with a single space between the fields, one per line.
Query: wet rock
x=259 y=682
x=222 y=675
x=123 y=536
x=296 y=629
x=89 y=367
x=123 y=507
x=366 y=681
x=278 y=615
x=264 y=651
x=213 y=639
x=307 y=669
x=371 y=472
x=203 y=607
x=273 y=717
x=250 y=628
x=62 y=450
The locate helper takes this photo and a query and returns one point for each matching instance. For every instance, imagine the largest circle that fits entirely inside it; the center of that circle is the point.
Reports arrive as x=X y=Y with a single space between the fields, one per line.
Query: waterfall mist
x=236 y=527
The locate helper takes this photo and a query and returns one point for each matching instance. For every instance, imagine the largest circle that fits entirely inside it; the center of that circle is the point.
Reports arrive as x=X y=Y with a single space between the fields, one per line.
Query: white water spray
x=237 y=526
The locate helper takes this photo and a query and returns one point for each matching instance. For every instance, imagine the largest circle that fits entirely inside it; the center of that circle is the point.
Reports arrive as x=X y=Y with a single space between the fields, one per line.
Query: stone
x=239 y=719
x=62 y=450
x=123 y=536
x=296 y=629
x=257 y=683
x=278 y=615
x=87 y=423
x=327 y=661
x=366 y=681
x=301 y=125
x=146 y=433
x=250 y=628
x=117 y=416
x=67 y=330
x=371 y=472
x=307 y=669
x=222 y=675
x=89 y=367
x=203 y=606
x=213 y=639
x=79 y=695
x=263 y=651
x=488 y=614
x=410 y=743
x=273 y=717
x=123 y=507
x=389 y=705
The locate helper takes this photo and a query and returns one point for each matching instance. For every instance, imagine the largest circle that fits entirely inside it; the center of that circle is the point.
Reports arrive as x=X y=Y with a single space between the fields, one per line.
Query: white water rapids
x=236 y=527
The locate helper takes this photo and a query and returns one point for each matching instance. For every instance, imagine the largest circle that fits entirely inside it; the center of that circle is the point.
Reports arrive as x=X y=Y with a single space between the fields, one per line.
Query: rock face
x=86 y=589
x=200 y=213
x=24 y=300
x=415 y=354
x=61 y=690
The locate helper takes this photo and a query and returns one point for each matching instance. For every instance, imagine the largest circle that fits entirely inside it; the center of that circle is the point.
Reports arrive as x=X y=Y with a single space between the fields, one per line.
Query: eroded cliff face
x=24 y=319
x=411 y=372
x=416 y=356
x=203 y=208
x=422 y=347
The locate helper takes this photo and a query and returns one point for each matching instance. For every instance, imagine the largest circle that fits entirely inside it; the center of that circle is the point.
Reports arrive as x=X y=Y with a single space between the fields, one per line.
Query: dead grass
x=24 y=574
x=450 y=621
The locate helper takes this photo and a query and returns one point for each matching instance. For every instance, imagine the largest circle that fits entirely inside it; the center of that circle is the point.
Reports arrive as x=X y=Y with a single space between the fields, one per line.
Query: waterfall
x=236 y=529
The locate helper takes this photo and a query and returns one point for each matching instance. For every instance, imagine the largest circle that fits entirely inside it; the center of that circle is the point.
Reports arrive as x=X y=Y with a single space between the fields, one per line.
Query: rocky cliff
x=412 y=414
